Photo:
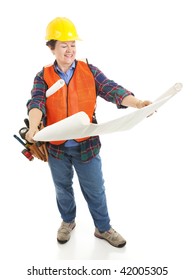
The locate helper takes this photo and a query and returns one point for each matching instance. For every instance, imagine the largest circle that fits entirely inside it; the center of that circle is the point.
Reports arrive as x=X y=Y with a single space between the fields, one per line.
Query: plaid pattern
x=105 y=88
x=88 y=149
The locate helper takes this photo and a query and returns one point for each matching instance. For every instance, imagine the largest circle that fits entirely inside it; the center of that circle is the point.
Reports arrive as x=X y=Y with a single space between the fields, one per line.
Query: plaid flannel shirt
x=105 y=88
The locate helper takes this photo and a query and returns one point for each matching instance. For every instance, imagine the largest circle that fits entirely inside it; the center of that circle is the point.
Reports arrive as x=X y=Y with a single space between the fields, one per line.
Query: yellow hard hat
x=61 y=29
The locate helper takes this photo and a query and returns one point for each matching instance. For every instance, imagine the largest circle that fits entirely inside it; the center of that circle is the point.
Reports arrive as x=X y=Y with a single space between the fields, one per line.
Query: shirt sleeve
x=38 y=94
x=108 y=89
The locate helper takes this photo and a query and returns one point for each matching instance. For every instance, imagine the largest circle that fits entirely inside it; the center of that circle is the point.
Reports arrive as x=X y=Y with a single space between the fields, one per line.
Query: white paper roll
x=171 y=92
x=72 y=123
x=79 y=126
x=59 y=84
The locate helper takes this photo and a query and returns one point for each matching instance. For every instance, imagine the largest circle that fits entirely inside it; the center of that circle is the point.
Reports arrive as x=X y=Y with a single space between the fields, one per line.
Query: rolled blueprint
x=79 y=126
x=171 y=91
x=59 y=84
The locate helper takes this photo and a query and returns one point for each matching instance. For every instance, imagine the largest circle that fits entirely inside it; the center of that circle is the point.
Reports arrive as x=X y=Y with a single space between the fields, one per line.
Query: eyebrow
x=71 y=42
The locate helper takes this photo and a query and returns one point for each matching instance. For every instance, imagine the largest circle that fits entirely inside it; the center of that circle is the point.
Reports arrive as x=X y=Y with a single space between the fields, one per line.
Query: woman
x=83 y=83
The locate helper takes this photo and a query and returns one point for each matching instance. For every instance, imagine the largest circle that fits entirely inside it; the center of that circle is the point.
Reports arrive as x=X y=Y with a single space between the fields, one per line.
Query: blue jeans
x=91 y=183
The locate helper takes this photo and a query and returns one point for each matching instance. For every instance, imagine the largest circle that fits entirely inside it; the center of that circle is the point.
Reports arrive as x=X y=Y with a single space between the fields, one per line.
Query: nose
x=68 y=48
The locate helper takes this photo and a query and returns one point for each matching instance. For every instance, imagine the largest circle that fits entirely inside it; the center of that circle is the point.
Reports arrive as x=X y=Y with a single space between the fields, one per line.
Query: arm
x=112 y=92
x=36 y=106
x=35 y=117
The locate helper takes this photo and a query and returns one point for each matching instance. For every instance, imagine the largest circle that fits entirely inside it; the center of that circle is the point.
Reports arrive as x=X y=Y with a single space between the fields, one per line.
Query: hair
x=51 y=44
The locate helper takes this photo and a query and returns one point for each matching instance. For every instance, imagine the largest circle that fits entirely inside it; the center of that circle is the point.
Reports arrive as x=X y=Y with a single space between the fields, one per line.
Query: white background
x=146 y=46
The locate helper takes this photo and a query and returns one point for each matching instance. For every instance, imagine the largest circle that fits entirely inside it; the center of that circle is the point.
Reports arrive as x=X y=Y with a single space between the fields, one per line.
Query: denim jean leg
x=92 y=186
x=62 y=174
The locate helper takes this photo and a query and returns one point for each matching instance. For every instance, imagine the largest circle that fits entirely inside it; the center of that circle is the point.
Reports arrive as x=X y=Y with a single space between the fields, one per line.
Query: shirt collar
x=59 y=70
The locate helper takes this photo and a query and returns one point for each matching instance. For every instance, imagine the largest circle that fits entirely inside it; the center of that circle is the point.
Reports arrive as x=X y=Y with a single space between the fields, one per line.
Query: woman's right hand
x=30 y=134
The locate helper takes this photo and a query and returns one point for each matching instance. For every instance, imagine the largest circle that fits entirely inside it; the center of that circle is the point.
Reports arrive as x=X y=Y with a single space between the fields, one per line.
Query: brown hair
x=51 y=44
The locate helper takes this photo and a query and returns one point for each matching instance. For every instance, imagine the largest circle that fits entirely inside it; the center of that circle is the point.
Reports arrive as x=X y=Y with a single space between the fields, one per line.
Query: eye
x=63 y=45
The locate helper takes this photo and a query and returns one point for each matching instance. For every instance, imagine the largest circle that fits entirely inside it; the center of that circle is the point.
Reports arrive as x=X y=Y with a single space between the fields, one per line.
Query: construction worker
x=83 y=83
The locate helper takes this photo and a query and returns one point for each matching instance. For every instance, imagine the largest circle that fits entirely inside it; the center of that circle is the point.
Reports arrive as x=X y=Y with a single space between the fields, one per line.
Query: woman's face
x=65 y=52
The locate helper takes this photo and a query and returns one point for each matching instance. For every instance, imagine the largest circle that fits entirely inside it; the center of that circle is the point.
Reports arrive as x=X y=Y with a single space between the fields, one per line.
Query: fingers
x=140 y=104
x=30 y=134
x=146 y=103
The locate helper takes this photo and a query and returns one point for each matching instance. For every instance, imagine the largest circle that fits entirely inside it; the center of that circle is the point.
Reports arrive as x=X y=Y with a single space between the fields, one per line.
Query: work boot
x=113 y=237
x=64 y=232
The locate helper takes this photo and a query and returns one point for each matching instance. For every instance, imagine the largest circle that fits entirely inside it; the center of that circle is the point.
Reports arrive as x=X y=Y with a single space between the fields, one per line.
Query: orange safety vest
x=78 y=95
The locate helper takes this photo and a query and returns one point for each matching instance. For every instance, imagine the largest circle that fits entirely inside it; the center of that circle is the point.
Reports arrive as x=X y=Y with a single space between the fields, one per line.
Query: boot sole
x=117 y=246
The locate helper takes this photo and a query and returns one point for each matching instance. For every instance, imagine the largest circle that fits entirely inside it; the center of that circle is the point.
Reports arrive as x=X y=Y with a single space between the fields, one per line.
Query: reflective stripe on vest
x=79 y=95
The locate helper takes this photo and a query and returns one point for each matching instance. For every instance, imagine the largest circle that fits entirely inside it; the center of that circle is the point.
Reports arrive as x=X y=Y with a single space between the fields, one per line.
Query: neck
x=64 y=67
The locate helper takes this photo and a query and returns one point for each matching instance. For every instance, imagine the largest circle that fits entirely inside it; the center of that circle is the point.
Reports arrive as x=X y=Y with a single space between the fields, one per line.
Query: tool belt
x=37 y=149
